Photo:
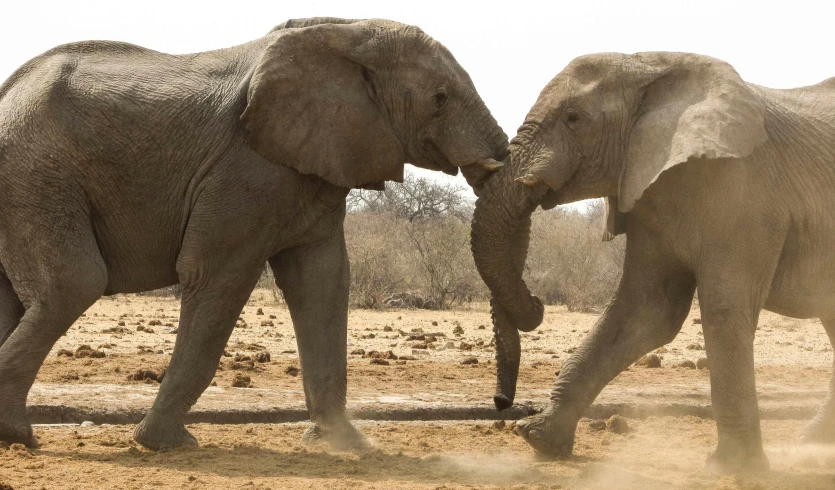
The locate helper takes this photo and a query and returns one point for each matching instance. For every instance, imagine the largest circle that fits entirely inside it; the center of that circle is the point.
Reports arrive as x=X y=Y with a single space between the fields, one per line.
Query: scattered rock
x=617 y=425
x=380 y=355
x=649 y=361
x=661 y=350
x=369 y=336
x=499 y=424
x=154 y=323
x=597 y=425
x=419 y=345
x=387 y=329
x=469 y=360
x=465 y=346
x=147 y=375
x=358 y=352
x=87 y=351
x=87 y=423
x=407 y=358
x=695 y=346
x=241 y=358
x=687 y=364
x=65 y=352
x=697 y=321
x=379 y=361
x=703 y=363
x=259 y=311
x=267 y=323
x=481 y=327
x=292 y=371
x=272 y=317
x=263 y=357
x=434 y=323
x=458 y=330
x=241 y=381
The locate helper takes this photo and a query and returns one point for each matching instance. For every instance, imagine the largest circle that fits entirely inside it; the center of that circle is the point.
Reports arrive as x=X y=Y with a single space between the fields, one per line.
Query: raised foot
x=155 y=434
x=548 y=434
x=819 y=431
x=735 y=461
x=18 y=432
x=341 y=436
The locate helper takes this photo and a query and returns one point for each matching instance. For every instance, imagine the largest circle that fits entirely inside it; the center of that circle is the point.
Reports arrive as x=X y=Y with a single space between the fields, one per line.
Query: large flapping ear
x=314 y=107
x=693 y=107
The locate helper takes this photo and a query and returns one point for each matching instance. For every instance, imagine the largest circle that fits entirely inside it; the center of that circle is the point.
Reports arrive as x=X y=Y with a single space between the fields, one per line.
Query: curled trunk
x=500 y=238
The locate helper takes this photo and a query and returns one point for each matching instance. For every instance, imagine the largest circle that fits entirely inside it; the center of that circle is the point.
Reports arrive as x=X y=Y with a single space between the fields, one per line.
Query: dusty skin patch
x=657 y=453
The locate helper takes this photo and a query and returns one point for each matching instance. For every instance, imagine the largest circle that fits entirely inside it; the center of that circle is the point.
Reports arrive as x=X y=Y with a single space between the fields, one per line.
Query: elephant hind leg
x=821 y=429
x=54 y=292
x=11 y=310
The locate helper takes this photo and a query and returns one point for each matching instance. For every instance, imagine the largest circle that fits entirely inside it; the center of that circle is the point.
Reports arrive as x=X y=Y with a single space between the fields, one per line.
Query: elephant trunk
x=500 y=238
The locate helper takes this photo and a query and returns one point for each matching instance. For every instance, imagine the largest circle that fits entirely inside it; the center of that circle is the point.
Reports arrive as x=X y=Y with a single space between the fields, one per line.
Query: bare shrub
x=568 y=263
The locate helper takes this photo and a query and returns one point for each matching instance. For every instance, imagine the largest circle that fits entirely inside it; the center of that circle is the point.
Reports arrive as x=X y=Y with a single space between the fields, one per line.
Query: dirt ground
x=130 y=335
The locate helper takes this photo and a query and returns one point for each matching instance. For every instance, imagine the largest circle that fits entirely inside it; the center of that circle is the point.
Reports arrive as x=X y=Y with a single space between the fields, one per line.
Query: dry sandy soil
x=793 y=356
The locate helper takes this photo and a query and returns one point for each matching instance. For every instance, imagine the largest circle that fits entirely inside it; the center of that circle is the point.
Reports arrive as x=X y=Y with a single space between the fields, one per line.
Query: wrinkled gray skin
x=718 y=184
x=124 y=170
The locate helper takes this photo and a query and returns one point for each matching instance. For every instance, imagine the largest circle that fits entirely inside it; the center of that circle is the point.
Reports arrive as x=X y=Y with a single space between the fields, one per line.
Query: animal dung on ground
x=649 y=361
x=87 y=351
x=703 y=363
x=146 y=375
x=687 y=364
x=379 y=361
x=263 y=357
x=292 y=370
x=380 y=355
x=241 y=381
x=695 y=346
x=259 y=311
x=65 y=352
x=617 y=425
x=469 y=360
x=597 y=425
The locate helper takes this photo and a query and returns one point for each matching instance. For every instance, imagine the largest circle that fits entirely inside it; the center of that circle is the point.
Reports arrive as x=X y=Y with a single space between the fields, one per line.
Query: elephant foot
x=17 y=430
x=821 y=430
x=342 y=436
x=156 y=433
x=551 y=435
x=738 y=457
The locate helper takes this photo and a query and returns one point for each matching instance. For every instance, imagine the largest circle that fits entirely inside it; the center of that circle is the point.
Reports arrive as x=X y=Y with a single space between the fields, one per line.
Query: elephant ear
x=615 y=223
x=313 y=105
x=693 y=107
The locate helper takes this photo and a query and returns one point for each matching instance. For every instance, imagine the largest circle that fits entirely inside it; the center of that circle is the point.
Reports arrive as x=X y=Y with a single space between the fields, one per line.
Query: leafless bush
x=568 y=263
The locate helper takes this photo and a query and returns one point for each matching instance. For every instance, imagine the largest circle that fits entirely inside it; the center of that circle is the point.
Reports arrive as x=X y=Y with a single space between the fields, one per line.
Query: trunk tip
x=502 y=402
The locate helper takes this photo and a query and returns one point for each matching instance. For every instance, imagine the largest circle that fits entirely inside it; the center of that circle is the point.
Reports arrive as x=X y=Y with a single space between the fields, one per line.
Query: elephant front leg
x=212 y=302
x=315 y=279
x=648 y=310
x=729 y=326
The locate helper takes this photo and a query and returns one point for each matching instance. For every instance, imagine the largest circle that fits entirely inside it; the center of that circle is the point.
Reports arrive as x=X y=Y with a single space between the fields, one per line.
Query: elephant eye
x=572 y=117
x=440 y=98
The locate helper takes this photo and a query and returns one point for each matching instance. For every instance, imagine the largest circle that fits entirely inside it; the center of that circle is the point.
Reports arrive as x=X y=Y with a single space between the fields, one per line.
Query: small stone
x=469 y=360
x=695 y=346
x=703 y=363
x=434 y=323
x=617 y=425
x=387 y=329
x=259 y=311
x=272 y=317
x=649 y=361
x=155 y=323
x=241 y=381
x=121 y=323
x=380 y=362
x=661 y=350
x=465 y=346
x=267 y=323
x=481 y=327
x=458 y=330
x=358 y=352
x=687 y=364
x=263 y=357
x=87 y=351
x=291 y=370
x=697 y=321
x=65 y=352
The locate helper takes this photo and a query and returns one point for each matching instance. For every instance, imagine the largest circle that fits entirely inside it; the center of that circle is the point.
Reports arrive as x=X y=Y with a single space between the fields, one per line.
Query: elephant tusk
x=490 y=165
x=527 y=179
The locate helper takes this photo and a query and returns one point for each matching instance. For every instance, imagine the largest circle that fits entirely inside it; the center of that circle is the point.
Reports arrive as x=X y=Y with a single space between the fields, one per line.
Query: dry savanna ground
x=427 y=359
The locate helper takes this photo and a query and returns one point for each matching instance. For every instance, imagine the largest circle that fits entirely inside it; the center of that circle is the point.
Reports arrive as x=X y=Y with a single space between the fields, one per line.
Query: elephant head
x=353 y=101
x=607 y=126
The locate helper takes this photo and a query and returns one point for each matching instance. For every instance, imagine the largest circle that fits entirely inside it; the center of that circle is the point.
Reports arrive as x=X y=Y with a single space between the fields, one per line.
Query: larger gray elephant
x=718 y=184
x=123 y=170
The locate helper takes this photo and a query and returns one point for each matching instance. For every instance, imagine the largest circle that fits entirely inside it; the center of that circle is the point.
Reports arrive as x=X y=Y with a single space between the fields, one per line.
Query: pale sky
x=510 y=48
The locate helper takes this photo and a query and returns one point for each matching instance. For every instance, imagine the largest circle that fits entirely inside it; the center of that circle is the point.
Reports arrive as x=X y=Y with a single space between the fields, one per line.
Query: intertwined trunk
x=500 y=238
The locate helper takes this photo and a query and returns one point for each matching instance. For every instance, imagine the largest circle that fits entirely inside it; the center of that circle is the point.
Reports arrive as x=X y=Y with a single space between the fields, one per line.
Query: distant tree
x=414 y=199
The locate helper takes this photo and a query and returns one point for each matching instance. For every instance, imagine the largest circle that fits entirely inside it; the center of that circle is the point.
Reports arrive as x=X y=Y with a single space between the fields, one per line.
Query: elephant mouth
x=438 y=159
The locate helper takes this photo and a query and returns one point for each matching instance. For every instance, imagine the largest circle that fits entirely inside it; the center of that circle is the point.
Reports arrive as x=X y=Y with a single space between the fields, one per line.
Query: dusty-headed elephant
x=124 y=169
x=719 y=185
